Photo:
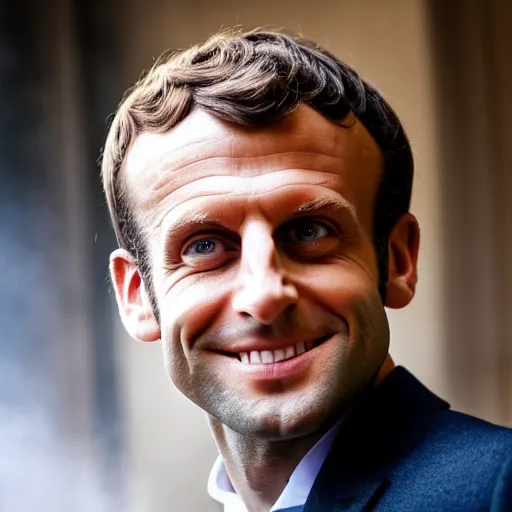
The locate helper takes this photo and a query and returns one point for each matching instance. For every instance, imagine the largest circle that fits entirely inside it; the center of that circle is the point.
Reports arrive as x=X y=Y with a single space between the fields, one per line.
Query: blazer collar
x=384 y=427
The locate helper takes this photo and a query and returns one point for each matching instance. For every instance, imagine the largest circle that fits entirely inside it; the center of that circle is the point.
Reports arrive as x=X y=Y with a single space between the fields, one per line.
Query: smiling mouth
x=278 y=355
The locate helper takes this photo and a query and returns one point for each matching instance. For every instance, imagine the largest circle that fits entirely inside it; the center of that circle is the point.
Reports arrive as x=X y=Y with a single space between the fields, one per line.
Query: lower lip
x=280 y=370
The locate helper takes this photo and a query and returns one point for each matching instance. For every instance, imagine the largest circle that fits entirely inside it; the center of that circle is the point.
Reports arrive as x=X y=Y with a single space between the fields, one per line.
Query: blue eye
x=205 y=254
x=205 y=246
x=309 y=232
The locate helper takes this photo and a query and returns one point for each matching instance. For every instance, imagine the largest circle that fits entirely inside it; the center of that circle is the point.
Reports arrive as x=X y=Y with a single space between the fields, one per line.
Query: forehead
x=206 y=157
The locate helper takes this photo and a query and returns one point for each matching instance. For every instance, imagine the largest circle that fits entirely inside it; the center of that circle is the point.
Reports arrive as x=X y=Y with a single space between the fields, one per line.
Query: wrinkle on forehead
x=202 y=146
x=240 y=199
x=203 y=138
x=244 y=188
x=276 y=205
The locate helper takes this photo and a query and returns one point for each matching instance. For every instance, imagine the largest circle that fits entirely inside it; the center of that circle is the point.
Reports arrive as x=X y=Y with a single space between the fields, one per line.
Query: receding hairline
x=179 y=141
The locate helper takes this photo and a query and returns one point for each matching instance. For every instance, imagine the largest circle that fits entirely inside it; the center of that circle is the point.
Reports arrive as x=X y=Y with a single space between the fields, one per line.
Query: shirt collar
x=297 y=489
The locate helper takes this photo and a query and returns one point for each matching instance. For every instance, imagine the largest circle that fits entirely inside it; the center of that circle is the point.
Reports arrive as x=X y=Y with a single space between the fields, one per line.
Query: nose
x=264 y=290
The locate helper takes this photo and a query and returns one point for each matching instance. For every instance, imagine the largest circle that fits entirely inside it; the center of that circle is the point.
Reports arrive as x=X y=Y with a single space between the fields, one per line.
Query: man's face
x=263 y=263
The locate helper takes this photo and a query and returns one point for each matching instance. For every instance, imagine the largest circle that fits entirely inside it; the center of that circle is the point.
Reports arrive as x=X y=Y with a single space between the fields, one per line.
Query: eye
x=308 y=231
x=207 y=253
x=307 y=238
x=205 y=246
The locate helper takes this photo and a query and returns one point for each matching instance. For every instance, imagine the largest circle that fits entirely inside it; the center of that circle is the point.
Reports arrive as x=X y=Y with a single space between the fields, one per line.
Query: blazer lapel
x=356 y=495
x=384 y=427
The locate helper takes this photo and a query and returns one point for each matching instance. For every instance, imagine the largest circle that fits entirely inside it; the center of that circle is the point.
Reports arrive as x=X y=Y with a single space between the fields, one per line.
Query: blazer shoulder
x=468 y=440
x=459 y=463
x=449 y=423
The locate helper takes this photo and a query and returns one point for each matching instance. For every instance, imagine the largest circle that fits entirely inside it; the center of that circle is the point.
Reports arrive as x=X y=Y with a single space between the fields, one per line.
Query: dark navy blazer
x=403 y=450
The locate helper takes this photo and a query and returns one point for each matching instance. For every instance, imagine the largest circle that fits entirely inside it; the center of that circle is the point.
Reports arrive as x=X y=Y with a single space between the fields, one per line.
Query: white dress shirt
x=297 y=489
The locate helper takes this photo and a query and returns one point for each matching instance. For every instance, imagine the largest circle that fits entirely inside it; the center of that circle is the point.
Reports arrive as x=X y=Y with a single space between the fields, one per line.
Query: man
x=260 y=191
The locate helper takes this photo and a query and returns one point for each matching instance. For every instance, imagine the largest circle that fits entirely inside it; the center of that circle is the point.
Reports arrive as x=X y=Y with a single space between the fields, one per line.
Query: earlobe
x=403 y=247
x=132 y=298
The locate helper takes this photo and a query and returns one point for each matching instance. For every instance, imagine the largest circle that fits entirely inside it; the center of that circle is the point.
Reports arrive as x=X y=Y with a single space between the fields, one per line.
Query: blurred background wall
x=88 y=418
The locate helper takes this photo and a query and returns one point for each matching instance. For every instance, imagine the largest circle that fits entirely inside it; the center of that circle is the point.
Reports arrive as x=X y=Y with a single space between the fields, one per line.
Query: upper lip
x=248 y=345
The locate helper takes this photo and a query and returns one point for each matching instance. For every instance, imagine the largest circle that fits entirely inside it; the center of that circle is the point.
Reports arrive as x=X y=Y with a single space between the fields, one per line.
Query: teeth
x=267 y=356
x=289 y=352
x=278 y=355
x=273 y=356
x=255 y=357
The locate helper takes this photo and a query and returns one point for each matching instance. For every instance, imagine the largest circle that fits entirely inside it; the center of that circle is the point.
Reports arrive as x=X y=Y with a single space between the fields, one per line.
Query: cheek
x=340 y=286
x=349 y=291
x=187 y=310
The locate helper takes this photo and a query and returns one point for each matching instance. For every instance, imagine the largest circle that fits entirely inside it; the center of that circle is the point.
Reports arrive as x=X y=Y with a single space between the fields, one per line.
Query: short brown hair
x=254 y=78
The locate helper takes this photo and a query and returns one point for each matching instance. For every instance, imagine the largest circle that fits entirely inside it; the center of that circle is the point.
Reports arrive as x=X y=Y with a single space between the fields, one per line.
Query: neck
x=258 y=468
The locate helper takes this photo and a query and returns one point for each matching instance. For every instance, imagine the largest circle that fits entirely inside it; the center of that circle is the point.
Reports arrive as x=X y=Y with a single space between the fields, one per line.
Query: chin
x=278 y=421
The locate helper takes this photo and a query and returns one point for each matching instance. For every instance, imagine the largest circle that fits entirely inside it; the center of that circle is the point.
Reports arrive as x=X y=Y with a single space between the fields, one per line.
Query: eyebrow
x=320 y=204
x=191 y=218
x=325 y=204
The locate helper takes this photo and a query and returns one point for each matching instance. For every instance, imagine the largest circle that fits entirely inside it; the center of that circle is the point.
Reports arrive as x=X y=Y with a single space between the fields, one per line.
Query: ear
x=403 y=247
x=132 y=298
